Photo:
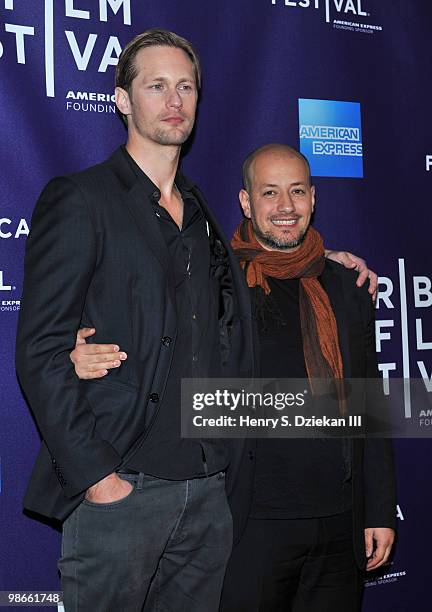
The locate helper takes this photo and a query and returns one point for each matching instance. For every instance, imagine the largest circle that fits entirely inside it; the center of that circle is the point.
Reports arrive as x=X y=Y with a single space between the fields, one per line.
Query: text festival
x=342 y=6
x=347 y=7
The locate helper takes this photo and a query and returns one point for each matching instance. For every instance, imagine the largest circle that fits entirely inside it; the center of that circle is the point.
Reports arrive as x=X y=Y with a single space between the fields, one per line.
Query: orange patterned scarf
x=318 y=323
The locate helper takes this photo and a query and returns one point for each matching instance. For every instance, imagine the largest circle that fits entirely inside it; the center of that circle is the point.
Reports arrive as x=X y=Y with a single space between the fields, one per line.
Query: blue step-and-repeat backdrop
x=346 y=81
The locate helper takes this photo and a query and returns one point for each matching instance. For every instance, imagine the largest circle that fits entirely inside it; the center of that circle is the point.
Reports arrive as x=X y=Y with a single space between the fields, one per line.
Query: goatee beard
x=269 y=240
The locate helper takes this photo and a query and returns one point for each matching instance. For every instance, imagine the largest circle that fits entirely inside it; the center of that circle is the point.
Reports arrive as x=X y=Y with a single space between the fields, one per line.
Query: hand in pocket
x=110 y=489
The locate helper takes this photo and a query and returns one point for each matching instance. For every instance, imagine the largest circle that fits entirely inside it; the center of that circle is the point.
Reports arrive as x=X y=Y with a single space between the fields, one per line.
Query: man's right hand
x=110 y=489
x=94 y=360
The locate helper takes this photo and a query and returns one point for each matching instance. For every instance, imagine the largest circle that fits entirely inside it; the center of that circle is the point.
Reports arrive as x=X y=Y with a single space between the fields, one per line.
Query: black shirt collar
x=150 y=189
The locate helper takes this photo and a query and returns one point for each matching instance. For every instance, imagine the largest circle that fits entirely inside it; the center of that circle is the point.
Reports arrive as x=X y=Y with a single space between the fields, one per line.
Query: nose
x=174 y=99
x=285 y=203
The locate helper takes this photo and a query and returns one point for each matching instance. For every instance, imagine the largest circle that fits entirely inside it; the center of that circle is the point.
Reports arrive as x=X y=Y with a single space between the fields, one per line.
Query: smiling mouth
x=284 y=222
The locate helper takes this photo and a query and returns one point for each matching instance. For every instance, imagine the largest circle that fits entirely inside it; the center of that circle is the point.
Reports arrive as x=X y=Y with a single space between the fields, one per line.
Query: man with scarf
x=309 y=514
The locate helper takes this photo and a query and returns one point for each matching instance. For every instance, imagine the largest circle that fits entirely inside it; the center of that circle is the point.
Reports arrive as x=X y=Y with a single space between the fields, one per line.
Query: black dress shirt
x=196 y=353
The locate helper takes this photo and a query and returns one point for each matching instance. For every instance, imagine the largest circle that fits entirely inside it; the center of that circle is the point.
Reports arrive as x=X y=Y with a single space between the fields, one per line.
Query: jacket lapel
x=137 y=199
x=144 y=217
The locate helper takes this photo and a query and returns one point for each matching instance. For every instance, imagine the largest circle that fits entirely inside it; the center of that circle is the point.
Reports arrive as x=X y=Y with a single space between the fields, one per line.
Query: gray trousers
x=164 y=547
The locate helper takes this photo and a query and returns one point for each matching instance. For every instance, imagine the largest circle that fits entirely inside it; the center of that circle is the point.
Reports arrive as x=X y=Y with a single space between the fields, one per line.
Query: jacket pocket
x=119 y=415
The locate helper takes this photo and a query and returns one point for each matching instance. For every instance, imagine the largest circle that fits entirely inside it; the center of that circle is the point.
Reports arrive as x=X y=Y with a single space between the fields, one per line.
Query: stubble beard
x=170 y=137
x=163 y=135
x=271 y=241
x=163 y=138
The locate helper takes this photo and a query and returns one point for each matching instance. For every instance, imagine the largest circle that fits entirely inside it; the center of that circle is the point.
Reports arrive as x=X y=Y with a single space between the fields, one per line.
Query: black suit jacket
x=373 y=481
x=96 y=257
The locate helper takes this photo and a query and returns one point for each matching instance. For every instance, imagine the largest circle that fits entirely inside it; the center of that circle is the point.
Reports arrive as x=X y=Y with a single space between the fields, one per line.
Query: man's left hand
x=378 y=543
x=348 y=260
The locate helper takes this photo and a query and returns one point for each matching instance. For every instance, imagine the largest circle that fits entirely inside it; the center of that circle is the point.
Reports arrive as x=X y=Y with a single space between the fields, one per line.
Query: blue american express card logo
x=331 y=137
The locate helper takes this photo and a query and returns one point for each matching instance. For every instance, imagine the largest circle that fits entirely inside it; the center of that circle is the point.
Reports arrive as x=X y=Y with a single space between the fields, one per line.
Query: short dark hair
x=247 y=183
x=126 y=69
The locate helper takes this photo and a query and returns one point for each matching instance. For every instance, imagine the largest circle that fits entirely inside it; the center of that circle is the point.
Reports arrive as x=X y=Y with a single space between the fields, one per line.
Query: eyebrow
x=161 y=78
x=276 y=185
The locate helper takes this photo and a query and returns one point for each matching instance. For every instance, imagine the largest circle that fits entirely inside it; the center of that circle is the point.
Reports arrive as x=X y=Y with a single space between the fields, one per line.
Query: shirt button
x=194 y=358
x=166 y=340
x=251 y=456
x=154 y=397
x=194 y=316
x=156 y=195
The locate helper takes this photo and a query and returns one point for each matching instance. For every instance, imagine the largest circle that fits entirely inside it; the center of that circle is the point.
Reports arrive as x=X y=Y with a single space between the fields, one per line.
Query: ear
x=122 y=101
x=313 y=197
x=245 y=203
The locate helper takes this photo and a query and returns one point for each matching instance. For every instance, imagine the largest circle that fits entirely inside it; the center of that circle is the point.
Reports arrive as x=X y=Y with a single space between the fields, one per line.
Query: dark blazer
x=96 y=257
x=373 y=481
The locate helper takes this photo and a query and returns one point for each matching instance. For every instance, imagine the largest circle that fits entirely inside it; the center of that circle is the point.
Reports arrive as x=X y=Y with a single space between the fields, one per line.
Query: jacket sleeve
x=378 y=464
x=59 y=263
